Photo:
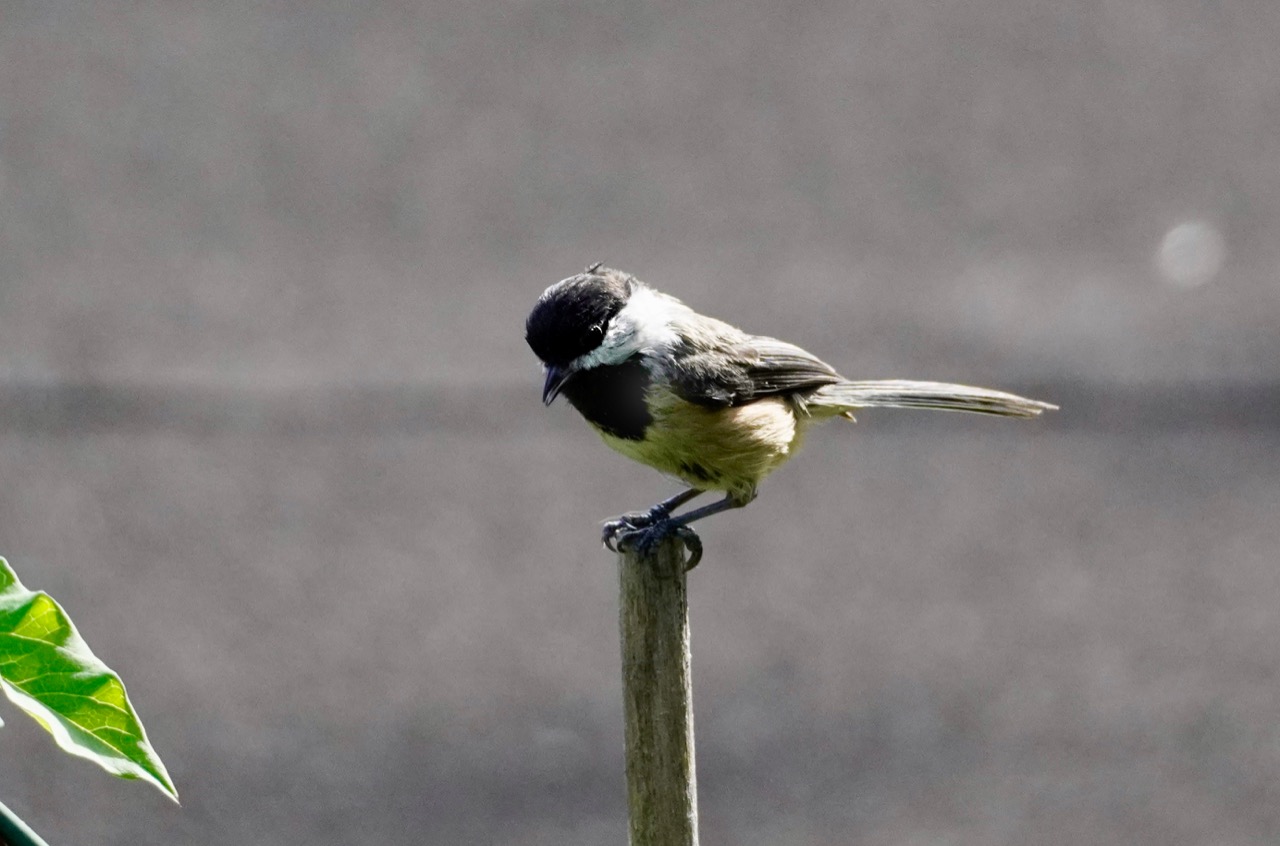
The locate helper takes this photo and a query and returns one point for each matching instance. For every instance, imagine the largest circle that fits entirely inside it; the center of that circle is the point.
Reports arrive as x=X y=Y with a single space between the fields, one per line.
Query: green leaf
x=48 y=671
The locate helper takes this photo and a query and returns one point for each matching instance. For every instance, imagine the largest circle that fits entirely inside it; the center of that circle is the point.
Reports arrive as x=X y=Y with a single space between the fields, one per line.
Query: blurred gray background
x=269 y=429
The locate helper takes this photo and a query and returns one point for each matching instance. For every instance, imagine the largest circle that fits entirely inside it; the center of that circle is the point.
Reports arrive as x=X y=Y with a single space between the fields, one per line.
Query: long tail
x=848 y=396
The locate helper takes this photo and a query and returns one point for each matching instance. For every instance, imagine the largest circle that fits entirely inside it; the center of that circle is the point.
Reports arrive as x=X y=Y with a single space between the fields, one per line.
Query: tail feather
x=843 y=397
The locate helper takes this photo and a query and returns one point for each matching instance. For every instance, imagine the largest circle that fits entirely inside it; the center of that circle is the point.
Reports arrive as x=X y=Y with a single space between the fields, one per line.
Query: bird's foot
x=618 y=528
x=643 y=531
x=634 y=521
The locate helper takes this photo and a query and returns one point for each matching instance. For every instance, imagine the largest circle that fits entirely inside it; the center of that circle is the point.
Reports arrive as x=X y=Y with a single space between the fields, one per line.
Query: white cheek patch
x=643 y=325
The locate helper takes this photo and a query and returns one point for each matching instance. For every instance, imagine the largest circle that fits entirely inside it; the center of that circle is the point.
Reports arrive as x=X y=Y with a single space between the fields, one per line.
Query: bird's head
x=597 y=318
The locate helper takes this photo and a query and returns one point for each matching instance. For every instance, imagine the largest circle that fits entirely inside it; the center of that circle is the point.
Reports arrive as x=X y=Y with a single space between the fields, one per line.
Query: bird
x=699 y=399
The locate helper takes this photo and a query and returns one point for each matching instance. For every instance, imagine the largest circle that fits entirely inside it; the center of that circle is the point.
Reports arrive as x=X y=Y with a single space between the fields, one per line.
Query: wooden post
x=657 y=696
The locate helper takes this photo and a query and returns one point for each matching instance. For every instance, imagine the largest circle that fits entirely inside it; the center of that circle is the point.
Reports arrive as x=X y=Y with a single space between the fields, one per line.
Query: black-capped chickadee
x=699 y=399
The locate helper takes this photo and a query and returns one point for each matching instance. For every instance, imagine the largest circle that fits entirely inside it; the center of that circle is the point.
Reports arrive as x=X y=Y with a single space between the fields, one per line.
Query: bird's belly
x=726 y=449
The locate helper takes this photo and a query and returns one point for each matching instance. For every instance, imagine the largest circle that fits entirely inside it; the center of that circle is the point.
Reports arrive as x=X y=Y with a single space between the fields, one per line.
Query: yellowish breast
x=729 y=449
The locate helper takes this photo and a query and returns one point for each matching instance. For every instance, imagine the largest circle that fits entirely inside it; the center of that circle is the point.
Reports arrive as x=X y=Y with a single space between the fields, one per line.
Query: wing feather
x=737 y=368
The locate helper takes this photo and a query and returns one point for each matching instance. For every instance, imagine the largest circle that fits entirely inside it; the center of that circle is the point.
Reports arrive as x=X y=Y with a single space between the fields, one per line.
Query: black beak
x=556 y=377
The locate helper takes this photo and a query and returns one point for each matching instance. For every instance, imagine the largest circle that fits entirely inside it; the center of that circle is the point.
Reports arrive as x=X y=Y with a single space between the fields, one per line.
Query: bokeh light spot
x=1191 y=254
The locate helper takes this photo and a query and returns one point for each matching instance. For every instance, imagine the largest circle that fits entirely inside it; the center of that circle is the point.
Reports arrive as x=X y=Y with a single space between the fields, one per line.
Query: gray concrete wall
x=270 y=432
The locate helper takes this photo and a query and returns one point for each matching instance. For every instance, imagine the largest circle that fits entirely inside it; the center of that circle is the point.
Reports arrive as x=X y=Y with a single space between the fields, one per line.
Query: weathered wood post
x=658 y=696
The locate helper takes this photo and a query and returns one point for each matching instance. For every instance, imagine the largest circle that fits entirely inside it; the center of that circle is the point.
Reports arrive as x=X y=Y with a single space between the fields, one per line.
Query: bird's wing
x=741 y=368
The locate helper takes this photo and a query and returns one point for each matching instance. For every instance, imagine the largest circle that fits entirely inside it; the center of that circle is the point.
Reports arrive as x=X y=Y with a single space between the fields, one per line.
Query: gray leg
x=728 y=503
x=664 y=526
x=669 y=505
x=615 y=529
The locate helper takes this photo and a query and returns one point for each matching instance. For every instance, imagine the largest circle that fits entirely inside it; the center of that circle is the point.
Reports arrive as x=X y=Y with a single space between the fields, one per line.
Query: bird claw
x=645 y=530
x=692 y=543
x=617 y=531
x=619 y=528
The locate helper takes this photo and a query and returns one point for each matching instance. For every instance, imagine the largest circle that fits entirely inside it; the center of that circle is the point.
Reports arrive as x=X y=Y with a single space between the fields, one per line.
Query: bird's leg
x=614 y=530
x=648 y=536
x=730 y=501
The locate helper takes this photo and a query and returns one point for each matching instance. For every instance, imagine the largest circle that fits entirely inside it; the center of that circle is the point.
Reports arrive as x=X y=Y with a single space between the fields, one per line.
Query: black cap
x=571 y=317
